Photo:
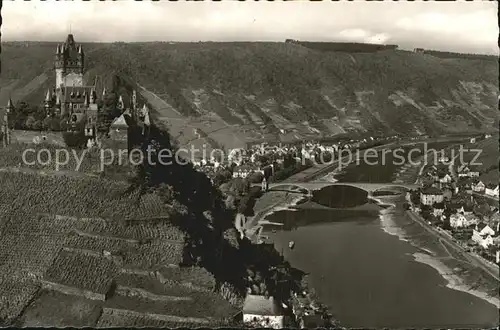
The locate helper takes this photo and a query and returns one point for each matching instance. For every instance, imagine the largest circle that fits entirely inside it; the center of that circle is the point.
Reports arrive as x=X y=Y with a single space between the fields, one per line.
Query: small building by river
x=259 y=311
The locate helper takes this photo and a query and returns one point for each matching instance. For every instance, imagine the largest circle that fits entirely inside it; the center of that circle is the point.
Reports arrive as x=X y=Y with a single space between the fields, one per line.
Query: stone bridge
x=309 y=187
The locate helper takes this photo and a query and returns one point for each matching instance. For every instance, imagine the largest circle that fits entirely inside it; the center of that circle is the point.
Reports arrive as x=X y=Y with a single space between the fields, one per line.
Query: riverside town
x=176 y=171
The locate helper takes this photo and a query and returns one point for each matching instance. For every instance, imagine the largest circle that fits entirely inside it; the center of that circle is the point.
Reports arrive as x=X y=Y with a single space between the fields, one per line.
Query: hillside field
x=234 y=93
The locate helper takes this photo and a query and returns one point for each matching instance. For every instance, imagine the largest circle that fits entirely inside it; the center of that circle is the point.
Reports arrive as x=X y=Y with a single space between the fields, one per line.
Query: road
x=486 y=196
x=475 y=260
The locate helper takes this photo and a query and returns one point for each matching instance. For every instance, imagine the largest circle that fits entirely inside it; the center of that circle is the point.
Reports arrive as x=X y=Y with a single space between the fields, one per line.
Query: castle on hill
x=77 y=101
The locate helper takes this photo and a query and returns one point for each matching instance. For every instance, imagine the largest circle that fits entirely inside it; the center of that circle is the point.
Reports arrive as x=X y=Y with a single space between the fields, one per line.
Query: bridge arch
x=298 y=188
x=309 y=187
x=405 y=187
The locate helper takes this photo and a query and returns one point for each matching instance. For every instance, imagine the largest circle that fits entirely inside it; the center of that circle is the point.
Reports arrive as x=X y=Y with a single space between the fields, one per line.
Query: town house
x=431 y=195
x=463 y=171
x=244 y=171
x=471 y=219
x=443 y=159
x=457 y=220
x=445 y=179
x=466 y=209
x=483 y=235
x=491 y=189
x=438 y=209
x=478 y=186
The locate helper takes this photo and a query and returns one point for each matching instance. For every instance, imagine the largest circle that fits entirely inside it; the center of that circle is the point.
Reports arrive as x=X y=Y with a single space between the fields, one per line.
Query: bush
x=75 y=139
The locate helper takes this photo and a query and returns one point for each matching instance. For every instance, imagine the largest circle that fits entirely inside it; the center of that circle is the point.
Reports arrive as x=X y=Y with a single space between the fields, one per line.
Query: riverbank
x=457 y=267
x=401 y=294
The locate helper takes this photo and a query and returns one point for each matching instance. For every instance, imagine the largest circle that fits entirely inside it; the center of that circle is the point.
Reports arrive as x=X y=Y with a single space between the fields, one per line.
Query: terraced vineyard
x=153 y=254
x=27 y=255
x=82 y=271
x=129 y=319
x=74 y=235
x=55 y=309
x=83 y=197
x=195 y=276
x=15 y=294
x=204 y=306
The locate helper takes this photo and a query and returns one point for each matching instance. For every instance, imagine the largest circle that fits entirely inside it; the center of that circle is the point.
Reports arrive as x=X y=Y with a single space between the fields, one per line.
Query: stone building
x=71 y=97
x=259 y=311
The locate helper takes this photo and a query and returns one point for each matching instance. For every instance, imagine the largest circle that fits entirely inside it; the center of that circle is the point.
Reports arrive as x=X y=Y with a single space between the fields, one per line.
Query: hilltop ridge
x=237 y=92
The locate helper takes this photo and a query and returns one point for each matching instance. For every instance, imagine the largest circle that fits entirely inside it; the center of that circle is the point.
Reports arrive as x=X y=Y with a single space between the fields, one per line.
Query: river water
x=363 y=268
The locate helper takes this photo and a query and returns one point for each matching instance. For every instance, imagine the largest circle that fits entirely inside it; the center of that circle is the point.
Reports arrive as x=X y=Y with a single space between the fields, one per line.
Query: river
x=363 y=265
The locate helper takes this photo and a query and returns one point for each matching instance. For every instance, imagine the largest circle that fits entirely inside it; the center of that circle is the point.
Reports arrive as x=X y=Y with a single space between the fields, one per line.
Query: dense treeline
x=212 y=240
x=35 y=118
x=350 y=47
x=442 y=54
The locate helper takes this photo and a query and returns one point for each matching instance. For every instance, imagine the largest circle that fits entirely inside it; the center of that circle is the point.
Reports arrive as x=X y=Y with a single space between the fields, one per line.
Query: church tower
x=69 y=64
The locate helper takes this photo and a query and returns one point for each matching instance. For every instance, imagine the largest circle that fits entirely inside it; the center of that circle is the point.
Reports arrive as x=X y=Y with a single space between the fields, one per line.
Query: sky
x=469 y=27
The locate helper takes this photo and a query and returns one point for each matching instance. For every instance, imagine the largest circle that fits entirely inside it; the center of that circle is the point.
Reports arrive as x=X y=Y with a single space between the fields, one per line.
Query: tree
x=239 y=186
x=222 y=177
x=63 y=124
x=54 y=124
x=415 y=197
x=108 y=111
x=446 y=223
x=426 y=212
x=263 y=160
x=30 y=122
x=37 y=125
x=75 y=139
x=230 y=202
x=255 y=177
x=46 y=123
x=288 y=161
x=166 y=192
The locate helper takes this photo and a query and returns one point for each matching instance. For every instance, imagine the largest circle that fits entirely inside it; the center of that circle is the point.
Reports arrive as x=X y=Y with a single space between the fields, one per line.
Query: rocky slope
x=230 y=93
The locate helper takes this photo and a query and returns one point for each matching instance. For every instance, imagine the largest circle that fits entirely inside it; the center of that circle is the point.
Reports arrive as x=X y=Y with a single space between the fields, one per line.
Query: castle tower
x=69 y=64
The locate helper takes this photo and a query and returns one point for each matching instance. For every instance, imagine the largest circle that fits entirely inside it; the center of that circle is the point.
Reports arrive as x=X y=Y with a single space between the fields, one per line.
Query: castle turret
x=93 y=96
x=120 y=105
x=86 y=99
x=5 y=125
x=47 y=102
x=48 y=96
